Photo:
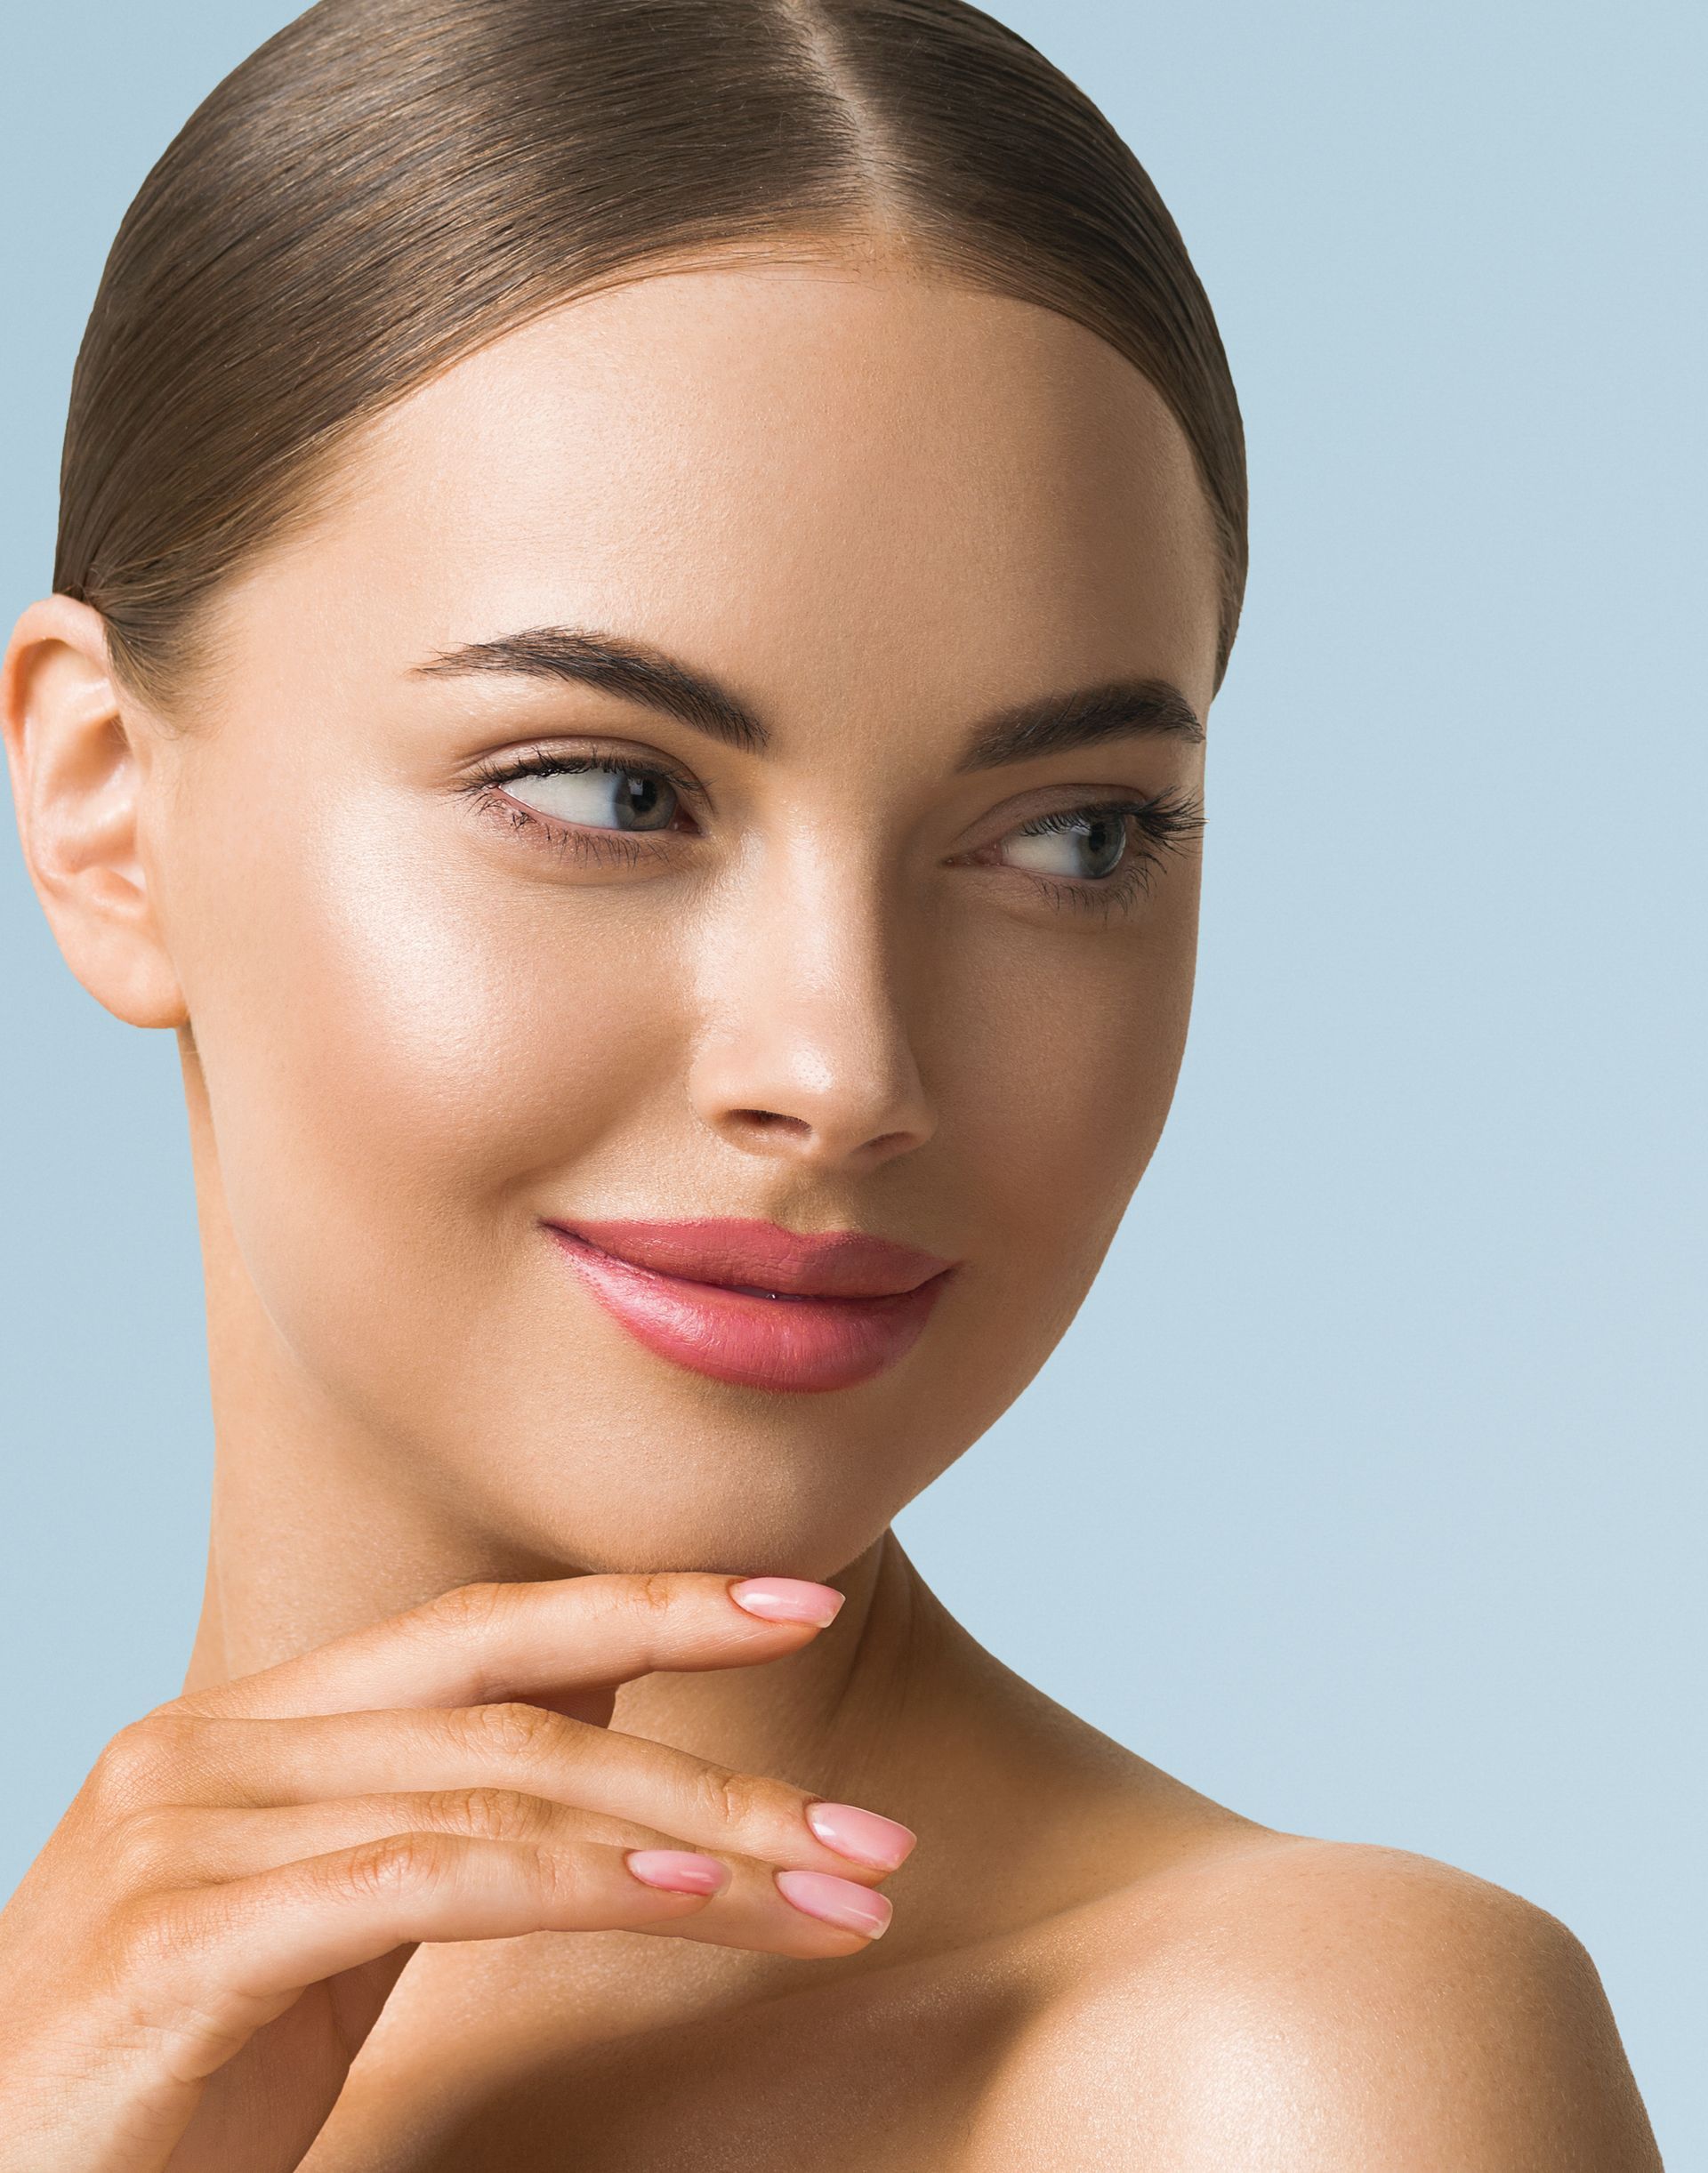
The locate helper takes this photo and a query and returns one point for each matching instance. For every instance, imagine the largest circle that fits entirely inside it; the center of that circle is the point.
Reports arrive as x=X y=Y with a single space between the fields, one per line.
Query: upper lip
x=749 y=1255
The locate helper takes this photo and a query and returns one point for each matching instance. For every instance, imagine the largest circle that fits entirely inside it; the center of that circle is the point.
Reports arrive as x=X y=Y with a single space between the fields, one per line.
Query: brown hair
x=387 y=184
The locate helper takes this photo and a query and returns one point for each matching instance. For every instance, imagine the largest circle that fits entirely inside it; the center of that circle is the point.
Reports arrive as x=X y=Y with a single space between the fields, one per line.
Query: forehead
x=814 y=475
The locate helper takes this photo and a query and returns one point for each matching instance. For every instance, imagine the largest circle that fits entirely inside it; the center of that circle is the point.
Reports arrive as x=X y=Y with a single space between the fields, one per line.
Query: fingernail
x=836 y=1901
x=678 y=1871
x=788 y=1599
x=863 y=1835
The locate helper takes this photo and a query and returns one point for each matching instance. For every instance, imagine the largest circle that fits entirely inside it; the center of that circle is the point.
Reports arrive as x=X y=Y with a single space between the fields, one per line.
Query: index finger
x=485 y=1644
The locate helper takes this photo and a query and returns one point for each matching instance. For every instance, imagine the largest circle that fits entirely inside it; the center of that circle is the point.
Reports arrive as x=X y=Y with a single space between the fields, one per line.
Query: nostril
x=769 y=1120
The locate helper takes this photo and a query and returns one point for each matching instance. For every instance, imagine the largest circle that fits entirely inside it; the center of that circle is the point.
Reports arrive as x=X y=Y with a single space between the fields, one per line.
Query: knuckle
x=494 y=1815
x=143 y=1845
x=512 y=1729
x=735 y=1799
x=140 y=1761
x=467 y=1611
x=396 y=1864
x=560 y=1878
x=147 y=1935
x=646 y=1596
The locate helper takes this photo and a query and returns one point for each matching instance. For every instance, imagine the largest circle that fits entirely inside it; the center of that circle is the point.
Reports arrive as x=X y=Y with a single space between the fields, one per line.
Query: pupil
x=1106 y=838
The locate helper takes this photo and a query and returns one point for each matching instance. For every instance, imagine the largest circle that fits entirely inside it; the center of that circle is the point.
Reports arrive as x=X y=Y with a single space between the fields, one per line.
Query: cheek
x=400 y=1055
x=1066 y=1072
x=1059 y=1063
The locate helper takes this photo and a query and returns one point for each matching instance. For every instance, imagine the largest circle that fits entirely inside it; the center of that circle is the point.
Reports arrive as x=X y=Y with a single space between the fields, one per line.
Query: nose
x=805 y=1054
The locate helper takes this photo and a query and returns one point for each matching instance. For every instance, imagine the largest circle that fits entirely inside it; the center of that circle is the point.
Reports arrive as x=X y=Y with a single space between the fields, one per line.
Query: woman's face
x=823 y=933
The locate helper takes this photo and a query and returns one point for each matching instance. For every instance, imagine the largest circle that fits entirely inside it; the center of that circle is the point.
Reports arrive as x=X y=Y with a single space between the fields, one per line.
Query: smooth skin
x=468 y=1633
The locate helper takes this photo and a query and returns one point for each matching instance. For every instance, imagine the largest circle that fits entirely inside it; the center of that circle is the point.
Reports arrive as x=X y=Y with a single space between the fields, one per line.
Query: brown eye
x=597 y=795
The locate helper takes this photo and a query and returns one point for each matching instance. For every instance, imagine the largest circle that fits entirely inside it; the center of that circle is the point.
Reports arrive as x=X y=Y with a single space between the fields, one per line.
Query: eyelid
x=1067 y=797
x=589 y=842
x=1060 y=802
x=526 y=757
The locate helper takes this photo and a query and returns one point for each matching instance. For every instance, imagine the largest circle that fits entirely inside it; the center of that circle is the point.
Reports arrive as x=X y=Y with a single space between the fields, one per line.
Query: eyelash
x=606 y=847
x=1163 y=823
x=1160 y=825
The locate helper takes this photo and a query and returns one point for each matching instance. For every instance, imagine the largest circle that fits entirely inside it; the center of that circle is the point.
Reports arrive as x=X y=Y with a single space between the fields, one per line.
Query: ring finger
x=804 y=1912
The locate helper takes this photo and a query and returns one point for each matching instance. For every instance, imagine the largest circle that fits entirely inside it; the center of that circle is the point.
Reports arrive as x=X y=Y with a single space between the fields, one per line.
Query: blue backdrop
x=1366 y=1492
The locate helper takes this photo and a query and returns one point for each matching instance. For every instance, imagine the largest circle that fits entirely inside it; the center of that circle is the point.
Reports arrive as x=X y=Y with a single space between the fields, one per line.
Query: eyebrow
x=635 y=672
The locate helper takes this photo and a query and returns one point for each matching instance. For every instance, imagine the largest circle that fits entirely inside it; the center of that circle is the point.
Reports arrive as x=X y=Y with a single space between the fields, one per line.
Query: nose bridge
x=808 y=1047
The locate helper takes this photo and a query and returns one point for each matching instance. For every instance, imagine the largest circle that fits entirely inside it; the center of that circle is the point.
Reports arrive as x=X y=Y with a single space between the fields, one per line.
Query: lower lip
x=792 y=1343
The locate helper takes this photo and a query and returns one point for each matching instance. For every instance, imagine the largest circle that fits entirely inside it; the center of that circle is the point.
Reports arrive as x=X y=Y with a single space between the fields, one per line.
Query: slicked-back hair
x=387 y=185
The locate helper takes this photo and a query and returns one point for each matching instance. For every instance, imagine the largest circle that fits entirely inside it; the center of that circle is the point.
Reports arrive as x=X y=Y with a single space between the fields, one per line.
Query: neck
x=304 y=1548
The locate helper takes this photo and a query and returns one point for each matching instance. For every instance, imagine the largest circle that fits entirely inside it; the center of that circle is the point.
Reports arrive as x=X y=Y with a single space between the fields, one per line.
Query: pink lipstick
x=756 y=1304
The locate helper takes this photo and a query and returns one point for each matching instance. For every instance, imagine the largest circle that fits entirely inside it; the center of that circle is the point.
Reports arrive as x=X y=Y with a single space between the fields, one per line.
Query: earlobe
x=77 y=776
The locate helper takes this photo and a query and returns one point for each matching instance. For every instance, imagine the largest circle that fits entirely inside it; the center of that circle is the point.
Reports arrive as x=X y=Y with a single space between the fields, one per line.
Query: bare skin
x=851 y=991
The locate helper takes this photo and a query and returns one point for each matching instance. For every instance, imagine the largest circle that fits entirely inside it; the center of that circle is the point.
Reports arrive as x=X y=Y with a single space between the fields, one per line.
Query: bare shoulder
x=1286 y=2003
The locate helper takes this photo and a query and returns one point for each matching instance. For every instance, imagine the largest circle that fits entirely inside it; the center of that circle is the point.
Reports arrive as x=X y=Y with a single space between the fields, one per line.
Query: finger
x=488 y=1642
x=209 y=1967
x=526 y=1750
x=750 y=1911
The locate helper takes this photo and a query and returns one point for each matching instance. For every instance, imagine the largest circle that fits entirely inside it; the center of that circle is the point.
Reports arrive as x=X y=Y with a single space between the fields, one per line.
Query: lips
x=757 y=1305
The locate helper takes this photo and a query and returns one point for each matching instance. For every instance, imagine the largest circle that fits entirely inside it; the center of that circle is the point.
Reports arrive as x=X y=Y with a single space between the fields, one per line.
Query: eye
x=1100 y=858
x=592 y=792
x=1083 y=844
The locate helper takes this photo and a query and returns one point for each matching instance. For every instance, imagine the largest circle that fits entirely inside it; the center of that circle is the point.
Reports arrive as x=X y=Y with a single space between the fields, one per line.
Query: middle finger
x=533 y=1752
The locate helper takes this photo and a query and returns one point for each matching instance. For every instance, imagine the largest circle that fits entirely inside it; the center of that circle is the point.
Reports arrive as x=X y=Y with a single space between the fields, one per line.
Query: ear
x=79 y=766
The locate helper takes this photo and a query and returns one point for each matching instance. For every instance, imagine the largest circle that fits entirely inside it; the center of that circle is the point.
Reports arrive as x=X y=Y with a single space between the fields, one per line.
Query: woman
x=639 y=590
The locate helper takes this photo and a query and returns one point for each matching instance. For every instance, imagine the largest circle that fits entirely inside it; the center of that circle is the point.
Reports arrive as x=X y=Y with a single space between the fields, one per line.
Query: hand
x=194 y=1960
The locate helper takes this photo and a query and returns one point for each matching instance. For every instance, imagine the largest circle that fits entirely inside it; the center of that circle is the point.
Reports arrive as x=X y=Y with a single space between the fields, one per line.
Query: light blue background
x=1366 y=1492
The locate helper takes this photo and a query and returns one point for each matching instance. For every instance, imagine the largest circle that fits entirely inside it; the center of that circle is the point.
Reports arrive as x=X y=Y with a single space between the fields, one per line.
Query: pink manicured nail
x=788 y=1599
x=677 y=1871
x=881 y=1842
x=836 y=1901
